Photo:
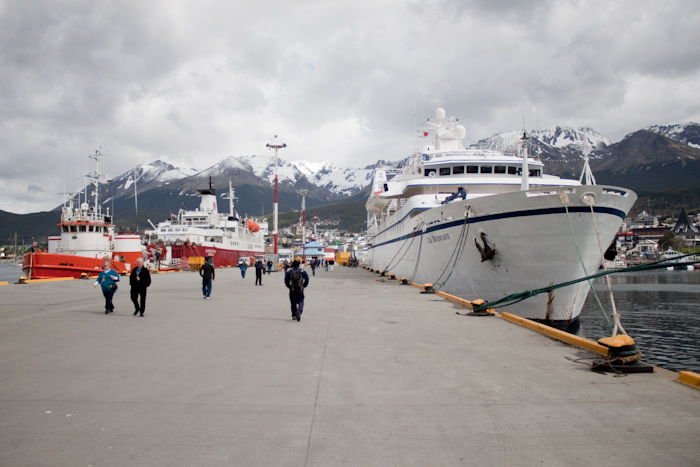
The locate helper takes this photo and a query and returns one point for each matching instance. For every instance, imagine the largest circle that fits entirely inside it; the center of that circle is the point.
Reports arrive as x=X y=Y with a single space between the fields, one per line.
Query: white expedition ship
x=482 y=224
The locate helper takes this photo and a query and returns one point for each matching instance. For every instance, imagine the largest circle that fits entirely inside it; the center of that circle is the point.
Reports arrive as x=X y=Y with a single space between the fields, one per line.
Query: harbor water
x=10 y=272
x=660 y=309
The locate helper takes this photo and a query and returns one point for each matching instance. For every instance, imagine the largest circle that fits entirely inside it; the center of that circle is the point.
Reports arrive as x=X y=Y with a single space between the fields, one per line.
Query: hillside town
x=648 y=238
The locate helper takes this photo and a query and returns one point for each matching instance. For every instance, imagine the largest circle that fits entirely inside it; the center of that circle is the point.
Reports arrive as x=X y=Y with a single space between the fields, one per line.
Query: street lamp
x=303 y=194
x=275 y=143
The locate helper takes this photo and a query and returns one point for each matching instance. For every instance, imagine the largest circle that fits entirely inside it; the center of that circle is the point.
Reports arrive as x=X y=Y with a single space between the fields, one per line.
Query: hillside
x=647 y=161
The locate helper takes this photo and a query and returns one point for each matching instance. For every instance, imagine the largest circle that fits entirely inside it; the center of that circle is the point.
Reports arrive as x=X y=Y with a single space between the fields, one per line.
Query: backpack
x=296 y=280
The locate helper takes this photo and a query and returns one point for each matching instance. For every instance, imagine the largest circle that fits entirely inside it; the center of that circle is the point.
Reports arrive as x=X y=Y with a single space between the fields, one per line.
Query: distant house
x=649 y=233
x=313 y=249
x=644 y=220
x=685 y=230
x=645 y=247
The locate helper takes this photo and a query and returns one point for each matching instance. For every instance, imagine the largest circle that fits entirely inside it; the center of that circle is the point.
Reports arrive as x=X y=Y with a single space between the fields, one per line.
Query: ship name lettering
x=438 y=238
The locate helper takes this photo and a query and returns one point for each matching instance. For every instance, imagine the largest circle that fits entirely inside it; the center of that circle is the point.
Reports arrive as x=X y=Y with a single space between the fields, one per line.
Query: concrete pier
x=375 y=374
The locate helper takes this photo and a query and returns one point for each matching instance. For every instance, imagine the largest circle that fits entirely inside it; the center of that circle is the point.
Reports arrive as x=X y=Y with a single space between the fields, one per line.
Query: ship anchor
x=487 y=251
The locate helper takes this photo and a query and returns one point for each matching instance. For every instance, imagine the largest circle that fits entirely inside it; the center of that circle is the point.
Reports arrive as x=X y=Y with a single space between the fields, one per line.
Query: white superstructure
x=223 y=236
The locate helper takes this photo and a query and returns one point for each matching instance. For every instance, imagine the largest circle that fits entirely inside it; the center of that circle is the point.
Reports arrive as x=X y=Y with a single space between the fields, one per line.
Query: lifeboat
x=253 y=226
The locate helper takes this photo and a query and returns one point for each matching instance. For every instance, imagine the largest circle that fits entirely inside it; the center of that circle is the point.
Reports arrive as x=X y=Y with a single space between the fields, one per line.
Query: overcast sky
x=191 y=83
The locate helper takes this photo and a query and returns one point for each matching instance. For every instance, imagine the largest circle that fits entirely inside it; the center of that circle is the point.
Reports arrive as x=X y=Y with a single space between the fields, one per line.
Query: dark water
x=10 y=272
x=660 y=310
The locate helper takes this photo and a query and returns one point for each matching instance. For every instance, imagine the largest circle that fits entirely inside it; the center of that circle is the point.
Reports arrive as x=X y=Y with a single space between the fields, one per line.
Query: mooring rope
x=617 y=323
x=456 y=254
x=413 y=237
x=420 y=249
x=519 y=297
x=578 y=252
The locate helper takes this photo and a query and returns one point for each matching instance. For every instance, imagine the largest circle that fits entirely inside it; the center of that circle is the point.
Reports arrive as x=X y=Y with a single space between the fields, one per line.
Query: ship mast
x=230 y=196
x=526 y=171
x=95 y=180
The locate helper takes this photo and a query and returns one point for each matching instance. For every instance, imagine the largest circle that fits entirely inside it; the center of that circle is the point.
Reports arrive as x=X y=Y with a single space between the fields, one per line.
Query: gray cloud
x=192 y=83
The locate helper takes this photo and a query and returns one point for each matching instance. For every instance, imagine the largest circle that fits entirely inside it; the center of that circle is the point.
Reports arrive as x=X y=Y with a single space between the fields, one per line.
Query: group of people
x=259 y=270
x=295 y=279
x=313 y=264
x=139 y=281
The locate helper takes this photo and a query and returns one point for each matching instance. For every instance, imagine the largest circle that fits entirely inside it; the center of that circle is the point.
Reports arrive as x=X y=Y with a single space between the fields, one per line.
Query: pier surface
x=375 y=374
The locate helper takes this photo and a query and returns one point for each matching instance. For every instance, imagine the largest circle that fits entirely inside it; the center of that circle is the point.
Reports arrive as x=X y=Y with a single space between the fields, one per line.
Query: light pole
x=303 y=194
x=275 y=143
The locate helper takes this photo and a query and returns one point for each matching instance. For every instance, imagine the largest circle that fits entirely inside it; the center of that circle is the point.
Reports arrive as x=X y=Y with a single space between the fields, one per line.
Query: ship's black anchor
x=487 y=251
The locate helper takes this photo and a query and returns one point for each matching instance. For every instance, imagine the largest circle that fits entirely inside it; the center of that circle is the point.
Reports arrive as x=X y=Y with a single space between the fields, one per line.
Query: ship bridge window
x=91 y=228
x=73 y=229
x=444 y=171
x=499 y=169
x=513 y=170
x=472 y=169
x=534 y=172
x=64 y=228
x=486 y=169
x=82 y=228
x=430 y=172
x=458 y=170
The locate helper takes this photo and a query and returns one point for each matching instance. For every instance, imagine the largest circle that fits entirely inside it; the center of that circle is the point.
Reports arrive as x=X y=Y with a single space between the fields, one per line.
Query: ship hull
x=42 y=265
x=221 y=257
x=540 y=237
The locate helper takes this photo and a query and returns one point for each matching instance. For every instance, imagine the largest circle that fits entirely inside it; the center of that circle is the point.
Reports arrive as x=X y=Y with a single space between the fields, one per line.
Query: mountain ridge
x=656 y=158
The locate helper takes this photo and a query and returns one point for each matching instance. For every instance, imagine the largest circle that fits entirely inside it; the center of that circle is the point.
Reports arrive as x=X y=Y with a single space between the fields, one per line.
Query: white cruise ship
x=483 y=224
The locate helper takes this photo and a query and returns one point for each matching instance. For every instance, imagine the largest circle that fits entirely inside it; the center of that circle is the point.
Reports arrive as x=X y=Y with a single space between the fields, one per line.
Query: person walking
x=296 y=281
x=207 y=273
x=139 y=280
x=331 y=263
x=285 y=266
x=269 y=266
x=108 y=279
x=243 y=267
x=313 y=267
x=259 y=268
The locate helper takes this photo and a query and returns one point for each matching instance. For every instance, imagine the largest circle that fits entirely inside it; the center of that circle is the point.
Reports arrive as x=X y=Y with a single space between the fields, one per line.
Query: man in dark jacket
x=139 y=280
x=259 y=268
x=207 y=273
x=296 y=281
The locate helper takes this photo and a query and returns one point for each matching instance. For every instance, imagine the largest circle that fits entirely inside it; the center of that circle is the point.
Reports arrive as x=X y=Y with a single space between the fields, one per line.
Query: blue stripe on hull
x=508 y=215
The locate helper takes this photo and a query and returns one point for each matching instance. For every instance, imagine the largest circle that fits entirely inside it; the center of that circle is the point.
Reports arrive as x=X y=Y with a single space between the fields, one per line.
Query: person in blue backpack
x=296 y=281
x=108 y=279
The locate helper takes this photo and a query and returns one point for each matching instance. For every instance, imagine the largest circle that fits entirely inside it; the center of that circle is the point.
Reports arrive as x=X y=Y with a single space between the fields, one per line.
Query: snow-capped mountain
x=162 y=186
x=560 y=148
x=153 y=175
x=571 y=140
x=686 y=133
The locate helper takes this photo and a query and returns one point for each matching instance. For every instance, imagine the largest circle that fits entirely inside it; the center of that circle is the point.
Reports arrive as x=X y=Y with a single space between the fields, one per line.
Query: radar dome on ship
x=440 y=113
x=460 y=131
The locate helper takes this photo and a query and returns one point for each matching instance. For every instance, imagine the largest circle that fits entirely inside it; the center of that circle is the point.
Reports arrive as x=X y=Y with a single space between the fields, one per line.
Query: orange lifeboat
x=253 y=226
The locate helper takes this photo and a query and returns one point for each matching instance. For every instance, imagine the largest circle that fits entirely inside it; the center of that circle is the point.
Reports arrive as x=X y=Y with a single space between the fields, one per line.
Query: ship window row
x=82 y=228
x=483 y=168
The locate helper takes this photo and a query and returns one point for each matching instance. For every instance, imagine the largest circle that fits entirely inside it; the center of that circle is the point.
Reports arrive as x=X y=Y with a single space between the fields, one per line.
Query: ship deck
x=375 y=373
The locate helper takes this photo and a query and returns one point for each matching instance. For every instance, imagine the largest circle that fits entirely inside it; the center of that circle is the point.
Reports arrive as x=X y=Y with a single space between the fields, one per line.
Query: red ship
x=87 y=239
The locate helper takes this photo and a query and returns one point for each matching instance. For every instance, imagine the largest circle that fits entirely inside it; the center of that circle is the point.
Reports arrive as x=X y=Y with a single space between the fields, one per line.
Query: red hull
x=220 y=257
x=42 y=265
